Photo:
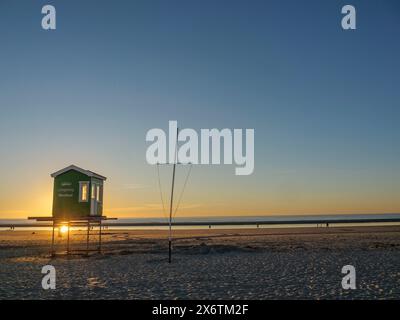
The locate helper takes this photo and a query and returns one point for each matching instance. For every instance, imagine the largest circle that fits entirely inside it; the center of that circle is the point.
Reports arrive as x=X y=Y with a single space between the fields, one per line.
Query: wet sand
x=292 y=263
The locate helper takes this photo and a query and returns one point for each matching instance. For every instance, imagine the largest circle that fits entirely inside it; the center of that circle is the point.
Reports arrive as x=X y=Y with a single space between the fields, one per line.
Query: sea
x=278 y=221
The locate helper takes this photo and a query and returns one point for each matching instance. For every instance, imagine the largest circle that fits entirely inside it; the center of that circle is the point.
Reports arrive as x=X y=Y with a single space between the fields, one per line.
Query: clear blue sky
x=324 y=102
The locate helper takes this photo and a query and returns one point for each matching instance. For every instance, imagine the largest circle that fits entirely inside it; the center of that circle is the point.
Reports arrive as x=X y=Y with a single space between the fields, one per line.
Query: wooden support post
x=52 y=241
x=68 y=238
x=100 y=236
x=87 y=238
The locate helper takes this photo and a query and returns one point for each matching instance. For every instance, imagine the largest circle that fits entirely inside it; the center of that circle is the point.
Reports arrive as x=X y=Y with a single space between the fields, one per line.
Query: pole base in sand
x=169 y=251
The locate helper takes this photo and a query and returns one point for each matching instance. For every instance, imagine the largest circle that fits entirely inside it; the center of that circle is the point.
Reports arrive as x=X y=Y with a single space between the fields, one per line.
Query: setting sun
x=63 y=229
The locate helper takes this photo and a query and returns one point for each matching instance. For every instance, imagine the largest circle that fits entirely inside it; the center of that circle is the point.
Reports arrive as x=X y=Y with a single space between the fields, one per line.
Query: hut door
x=93 y=200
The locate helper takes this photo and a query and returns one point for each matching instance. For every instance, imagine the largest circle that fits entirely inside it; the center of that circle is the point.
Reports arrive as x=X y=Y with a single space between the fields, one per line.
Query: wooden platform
x=90 y=222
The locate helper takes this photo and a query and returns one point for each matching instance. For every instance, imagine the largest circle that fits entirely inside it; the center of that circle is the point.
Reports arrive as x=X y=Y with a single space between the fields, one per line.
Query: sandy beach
x=292 y=263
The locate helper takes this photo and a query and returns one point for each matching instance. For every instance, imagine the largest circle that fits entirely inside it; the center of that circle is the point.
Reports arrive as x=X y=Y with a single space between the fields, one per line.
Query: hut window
x=93 y=191
x=83 y=191
x=101 y=194
x=98 y=193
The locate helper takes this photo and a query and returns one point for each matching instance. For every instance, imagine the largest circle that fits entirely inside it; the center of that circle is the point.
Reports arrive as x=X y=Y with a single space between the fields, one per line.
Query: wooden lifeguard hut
x=77 y=202
x=78 y=193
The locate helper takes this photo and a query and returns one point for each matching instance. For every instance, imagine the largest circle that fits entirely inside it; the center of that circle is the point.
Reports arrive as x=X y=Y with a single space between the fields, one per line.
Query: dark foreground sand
x=292 y=263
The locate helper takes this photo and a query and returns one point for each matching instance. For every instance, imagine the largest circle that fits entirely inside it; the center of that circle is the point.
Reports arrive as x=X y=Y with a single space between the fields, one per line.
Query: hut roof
x=73 y=167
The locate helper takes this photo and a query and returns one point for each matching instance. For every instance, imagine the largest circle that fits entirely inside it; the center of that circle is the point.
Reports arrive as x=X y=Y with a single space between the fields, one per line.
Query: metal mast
x=172 y=200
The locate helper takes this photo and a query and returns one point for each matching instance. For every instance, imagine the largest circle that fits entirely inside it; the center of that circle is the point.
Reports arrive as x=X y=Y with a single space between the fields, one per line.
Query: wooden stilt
x=100 y=236
x=87 y=239
x=68 y=238
x=52 y=241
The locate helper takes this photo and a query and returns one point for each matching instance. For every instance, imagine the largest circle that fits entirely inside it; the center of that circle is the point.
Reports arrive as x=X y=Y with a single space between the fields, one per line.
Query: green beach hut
x=78 y=193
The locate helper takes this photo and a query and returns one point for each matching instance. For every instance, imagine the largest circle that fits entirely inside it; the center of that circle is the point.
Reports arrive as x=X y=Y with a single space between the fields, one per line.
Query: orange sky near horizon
x=199 y=200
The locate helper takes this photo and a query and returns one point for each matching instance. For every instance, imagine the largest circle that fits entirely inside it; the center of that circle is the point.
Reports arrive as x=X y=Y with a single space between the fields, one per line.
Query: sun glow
x=63 y=229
